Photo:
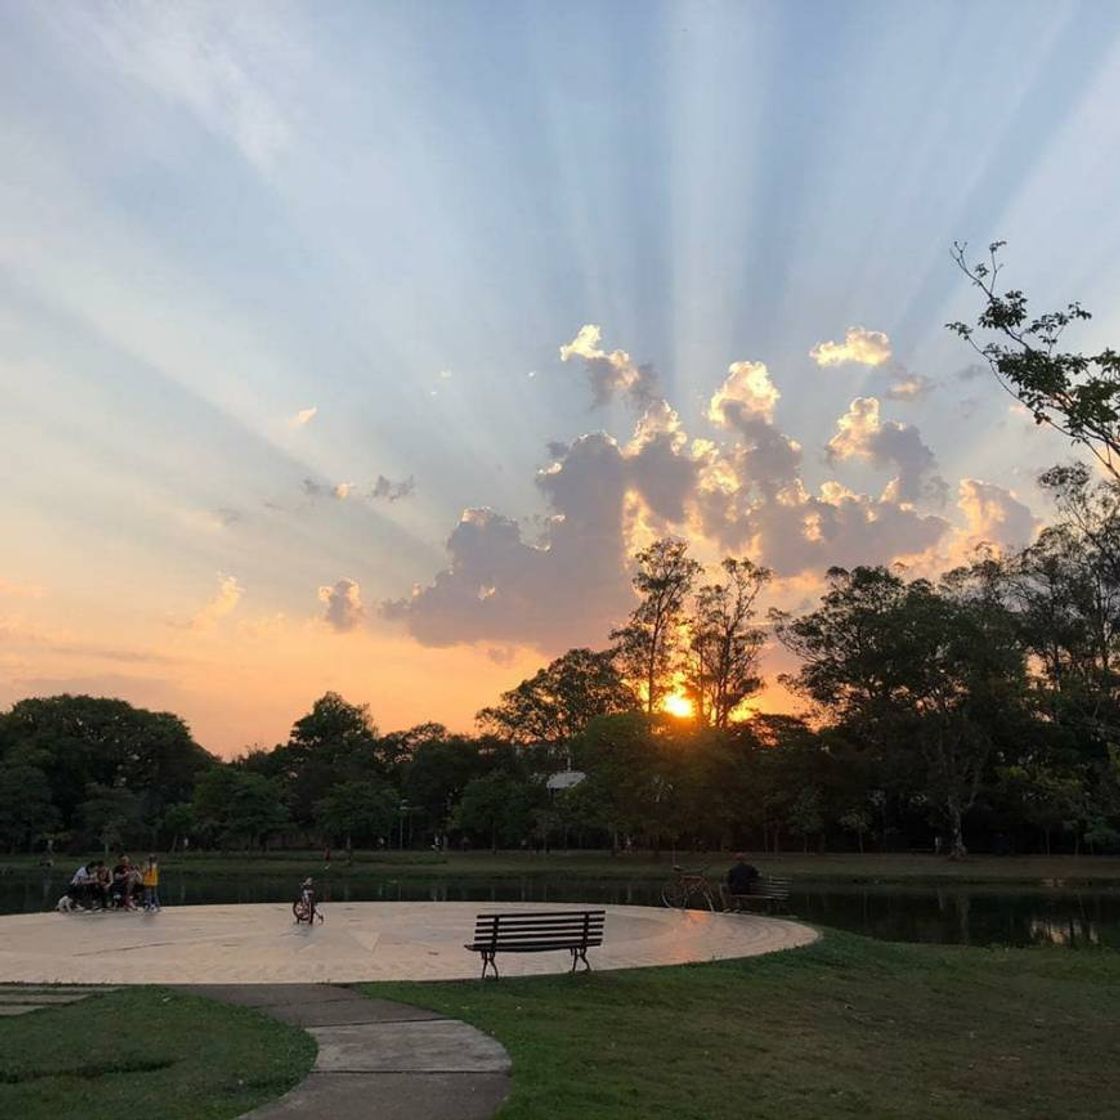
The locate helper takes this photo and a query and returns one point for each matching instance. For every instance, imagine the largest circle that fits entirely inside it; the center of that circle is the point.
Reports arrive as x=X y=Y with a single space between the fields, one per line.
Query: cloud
x=860 y=346
x=344 y=609
x=995 y=515
x=909 y=387
x=567 y=582
x=611 y=373
x=222 y=604
x=564 y=591
x=384 y=489
x=861 y=434
x=747 y=391
x=388 y=490
x=303 y=417
x=972 y=372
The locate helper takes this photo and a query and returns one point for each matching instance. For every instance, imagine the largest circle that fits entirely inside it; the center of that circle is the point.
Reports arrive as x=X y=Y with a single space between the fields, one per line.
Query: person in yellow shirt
x=150 y=880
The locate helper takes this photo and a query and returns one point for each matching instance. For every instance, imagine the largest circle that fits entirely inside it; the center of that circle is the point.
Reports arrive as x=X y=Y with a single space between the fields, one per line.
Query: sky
x=358 y=346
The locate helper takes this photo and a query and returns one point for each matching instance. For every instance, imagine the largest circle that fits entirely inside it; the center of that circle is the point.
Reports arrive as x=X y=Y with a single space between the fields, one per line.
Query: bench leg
x=488 y=962
x=579 y=955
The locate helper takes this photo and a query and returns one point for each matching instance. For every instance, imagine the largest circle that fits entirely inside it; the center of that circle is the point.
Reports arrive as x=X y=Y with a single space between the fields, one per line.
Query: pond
x=948 y=914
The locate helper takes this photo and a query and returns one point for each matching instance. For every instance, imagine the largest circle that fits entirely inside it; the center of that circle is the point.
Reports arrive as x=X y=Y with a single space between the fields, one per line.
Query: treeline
x=977 y=710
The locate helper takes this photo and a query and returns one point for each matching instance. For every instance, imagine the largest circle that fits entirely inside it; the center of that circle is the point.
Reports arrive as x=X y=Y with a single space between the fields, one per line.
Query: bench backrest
x=548 y=928
x=769 y=886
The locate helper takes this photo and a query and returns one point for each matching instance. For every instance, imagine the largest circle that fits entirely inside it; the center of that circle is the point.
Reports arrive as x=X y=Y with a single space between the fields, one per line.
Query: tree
x=436 y=776
x=648 y=644
x=336 y=741
x=77 y=741
x=938 y=672
x=560 y=700
x=619 y=755
x=26 y=811
x=723 y=646
x=366 y=810
x=110 y=812
x=231 y=805
x=1076 y=394
x=497 y=806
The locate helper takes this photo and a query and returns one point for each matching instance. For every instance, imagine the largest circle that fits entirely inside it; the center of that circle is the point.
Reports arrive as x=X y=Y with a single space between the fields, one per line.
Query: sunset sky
x=357 y=345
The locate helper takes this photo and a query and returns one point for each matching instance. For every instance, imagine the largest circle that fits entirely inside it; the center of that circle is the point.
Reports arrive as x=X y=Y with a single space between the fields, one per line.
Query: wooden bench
x=522 y=931
x=767 y=892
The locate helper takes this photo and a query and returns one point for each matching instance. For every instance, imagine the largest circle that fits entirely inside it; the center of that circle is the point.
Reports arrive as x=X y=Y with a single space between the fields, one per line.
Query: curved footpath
x=377 y=1058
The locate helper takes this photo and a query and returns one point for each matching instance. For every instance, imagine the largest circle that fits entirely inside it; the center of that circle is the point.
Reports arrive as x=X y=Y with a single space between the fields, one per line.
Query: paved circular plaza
x=356 y=941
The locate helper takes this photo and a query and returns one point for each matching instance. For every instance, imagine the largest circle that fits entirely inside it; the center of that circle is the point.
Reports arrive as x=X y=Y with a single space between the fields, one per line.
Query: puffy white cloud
x=747 y=392
x=222 y=604
x=344 y=609
x=743 y=492
x=862 y=434
x=609 y=373
x=860 y=346
x=995 y=515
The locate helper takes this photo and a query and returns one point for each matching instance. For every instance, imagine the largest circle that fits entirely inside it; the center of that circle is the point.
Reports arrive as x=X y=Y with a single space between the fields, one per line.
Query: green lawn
x=846 y=1028
x=845 y=867
x=146 y=1052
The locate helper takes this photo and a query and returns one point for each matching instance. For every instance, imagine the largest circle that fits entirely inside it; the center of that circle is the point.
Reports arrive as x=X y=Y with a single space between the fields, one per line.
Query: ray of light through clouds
x=413 y=321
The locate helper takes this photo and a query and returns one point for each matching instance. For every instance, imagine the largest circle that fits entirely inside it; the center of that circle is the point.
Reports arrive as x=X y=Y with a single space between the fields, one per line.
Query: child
x=151 y=885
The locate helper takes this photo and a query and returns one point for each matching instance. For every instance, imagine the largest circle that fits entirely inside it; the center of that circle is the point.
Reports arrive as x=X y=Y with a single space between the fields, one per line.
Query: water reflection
x=941 y=914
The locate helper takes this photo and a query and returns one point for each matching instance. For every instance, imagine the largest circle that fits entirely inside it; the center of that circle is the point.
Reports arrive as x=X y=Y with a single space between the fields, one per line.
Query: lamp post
x=403 y=810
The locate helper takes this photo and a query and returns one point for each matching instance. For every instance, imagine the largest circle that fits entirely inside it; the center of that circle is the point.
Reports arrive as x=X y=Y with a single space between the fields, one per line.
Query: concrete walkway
x=19 y=999
x=377 y=1058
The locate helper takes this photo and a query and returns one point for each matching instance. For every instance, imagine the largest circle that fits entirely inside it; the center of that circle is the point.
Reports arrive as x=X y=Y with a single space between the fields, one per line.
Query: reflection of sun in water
x=679 y=706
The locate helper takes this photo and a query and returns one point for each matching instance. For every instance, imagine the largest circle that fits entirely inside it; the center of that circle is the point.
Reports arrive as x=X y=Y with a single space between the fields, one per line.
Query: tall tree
x=559 y=701
x=1076 y=394
x=723 y=647
x=648 y=645
x=936 y=672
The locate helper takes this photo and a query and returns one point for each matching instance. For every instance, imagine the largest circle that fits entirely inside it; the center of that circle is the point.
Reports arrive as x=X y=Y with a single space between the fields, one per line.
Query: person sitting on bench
x=742 y=877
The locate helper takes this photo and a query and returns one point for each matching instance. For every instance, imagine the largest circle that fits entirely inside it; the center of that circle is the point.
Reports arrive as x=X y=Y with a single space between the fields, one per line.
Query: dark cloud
x=343 y=605
x=862 y=434
x=385 y=489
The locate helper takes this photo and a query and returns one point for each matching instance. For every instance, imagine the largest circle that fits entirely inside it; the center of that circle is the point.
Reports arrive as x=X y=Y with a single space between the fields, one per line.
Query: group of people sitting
x=94 y=886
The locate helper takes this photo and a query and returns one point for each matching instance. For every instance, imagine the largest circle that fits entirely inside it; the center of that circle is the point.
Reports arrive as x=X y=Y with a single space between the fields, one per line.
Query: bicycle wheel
x=299 y=909
x=674 y=895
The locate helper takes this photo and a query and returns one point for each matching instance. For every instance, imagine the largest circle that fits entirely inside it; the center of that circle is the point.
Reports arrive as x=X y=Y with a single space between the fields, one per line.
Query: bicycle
x=304 y=908
x=685 y=886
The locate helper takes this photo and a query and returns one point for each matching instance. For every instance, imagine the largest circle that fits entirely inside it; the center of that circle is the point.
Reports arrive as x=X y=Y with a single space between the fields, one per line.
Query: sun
x=679 y=706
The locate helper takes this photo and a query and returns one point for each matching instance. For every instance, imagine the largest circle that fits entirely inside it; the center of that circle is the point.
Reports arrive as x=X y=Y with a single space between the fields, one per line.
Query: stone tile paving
x=358 y=941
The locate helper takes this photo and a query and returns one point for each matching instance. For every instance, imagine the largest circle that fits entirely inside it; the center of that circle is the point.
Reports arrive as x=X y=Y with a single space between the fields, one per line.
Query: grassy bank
x=839 y=868
x=146 y=1052
x=848 y=1027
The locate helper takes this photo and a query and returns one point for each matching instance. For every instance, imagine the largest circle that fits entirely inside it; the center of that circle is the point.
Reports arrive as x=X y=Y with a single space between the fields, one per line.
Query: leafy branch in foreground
x=1076 y=394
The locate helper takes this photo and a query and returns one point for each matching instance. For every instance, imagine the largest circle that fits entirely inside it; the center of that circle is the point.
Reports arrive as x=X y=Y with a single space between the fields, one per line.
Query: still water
x=944 y=914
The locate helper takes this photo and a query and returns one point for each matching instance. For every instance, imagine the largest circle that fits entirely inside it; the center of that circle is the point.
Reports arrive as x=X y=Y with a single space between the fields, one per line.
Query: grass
x=846 y=1028
x=832 y=868
x=146 y=1052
